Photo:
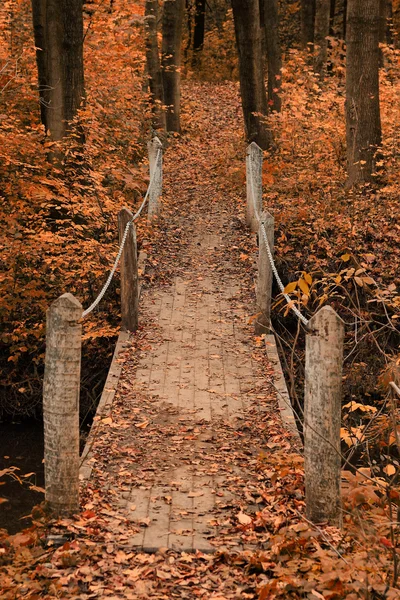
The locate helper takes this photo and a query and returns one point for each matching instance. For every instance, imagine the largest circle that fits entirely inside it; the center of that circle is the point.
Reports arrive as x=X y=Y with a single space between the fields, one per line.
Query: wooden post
x=254 y=162
x=265 y=275
x=61 y=404
x=129 y=274
x=322 y=417
x=155 y=146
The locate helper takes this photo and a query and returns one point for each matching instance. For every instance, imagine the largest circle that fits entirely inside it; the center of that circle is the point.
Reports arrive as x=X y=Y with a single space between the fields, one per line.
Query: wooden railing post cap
x=266 y=218
x=155 y=141
x=126 y=212
x=325 y=316
x=68 y=302
x=253 y=147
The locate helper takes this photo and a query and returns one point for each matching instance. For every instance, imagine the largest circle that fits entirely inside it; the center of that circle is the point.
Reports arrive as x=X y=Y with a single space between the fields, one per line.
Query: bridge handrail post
x=61 y=404
x=265 y=274
x=155 y=162
x=322 y=417
x=254 y=162
x=129 y=272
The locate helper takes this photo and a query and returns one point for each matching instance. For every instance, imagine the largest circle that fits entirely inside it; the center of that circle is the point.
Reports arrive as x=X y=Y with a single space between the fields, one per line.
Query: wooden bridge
x=192 y=399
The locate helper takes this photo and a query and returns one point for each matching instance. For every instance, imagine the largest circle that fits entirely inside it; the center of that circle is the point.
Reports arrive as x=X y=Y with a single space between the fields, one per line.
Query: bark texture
x=321 y=32
x=61 y=404
x=254 y=191
x=154 y=66
x=171 y=61
x=265 y=275
x=322 y=417
x=129 y=273
x=386 y=15
x=274 y=53
x=199 y=24
x=344 y=18
x=332 y=17
x=246 y=15
x=363 y=123
x=39 y=31
x=58 y=27
x=155 y=163
x=307 y=22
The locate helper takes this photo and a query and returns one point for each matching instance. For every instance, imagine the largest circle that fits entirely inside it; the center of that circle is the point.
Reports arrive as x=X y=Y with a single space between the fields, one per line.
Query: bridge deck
x=176 y=455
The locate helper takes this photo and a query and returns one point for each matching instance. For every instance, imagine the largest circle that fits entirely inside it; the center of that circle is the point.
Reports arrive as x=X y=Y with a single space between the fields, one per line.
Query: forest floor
x=221 y=421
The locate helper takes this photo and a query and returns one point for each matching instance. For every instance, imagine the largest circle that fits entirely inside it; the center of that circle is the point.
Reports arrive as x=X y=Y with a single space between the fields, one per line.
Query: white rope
x=269 y=253
x=124 y=238
x=278 y=279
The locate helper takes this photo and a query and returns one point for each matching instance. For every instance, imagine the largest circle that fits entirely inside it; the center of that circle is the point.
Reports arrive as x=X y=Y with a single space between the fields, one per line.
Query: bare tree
x=171 y=61
x=39 y=30
x=246 y=15
x=307 y=23
x=386 y=15
x=363 y=122
x=199 y=24
x=154 y=66
x=321 y=32
x=58 y=29
x=270 y=20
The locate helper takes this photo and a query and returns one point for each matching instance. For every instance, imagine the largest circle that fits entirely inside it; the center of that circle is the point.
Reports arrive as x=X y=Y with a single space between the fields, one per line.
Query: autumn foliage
x=59 y=223
x=332 y=245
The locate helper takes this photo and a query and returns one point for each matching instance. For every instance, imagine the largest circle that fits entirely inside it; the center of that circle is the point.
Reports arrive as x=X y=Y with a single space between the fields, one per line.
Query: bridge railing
x=61 y=387
x=323 y=364
x=323 y=361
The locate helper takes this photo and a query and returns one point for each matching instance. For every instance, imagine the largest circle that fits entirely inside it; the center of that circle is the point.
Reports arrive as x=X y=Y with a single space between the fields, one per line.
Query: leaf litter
x=264 y=547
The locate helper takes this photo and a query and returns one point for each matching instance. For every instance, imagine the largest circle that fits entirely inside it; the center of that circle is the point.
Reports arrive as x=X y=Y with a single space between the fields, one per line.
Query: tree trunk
x=189 y=43
x=344 y=18
x=274 y=54
x=332 y=18
x=321 y=32
x=153 y=65
x=199 y=25
x=246 y=16
x=389 y=21
x=171 y=61
x=39 y=31
x=58 y=26
x=363 y=123
x=386 y=14
x=307 y=23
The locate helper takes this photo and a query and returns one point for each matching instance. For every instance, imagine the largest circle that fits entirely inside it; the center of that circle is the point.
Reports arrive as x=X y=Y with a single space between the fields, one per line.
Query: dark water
x=21 y=445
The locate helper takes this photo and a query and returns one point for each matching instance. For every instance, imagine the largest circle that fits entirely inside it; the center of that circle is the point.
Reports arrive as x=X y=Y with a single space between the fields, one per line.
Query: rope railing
x=124 y=237
x=61 y=386
x=323 y=363
x=395 y=388
x=281 y=286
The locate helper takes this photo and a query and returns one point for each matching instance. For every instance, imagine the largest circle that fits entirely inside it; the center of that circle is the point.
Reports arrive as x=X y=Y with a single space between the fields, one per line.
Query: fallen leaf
x=244 y=519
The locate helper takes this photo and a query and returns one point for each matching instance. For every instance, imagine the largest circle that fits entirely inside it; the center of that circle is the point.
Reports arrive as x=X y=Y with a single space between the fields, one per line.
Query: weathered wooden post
x=61 y=404
x=265 y=274
x=322 y=417
x=155 y=160
x=129 y=273
x=254 y=162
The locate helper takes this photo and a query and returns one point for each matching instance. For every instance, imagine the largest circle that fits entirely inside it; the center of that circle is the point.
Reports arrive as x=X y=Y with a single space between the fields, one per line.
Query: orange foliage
x=58 y=226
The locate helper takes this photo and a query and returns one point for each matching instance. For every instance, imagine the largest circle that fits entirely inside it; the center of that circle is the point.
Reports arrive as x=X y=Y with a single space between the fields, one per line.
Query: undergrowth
x=58 y=225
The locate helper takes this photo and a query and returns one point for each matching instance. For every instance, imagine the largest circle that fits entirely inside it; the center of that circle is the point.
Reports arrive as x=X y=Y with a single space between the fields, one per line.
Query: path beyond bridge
x=176 y=453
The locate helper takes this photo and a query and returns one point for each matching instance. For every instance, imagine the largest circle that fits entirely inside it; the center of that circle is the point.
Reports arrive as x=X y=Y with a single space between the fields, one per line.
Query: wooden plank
x=104 y=405
x=157 y=533
x=181 y=523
